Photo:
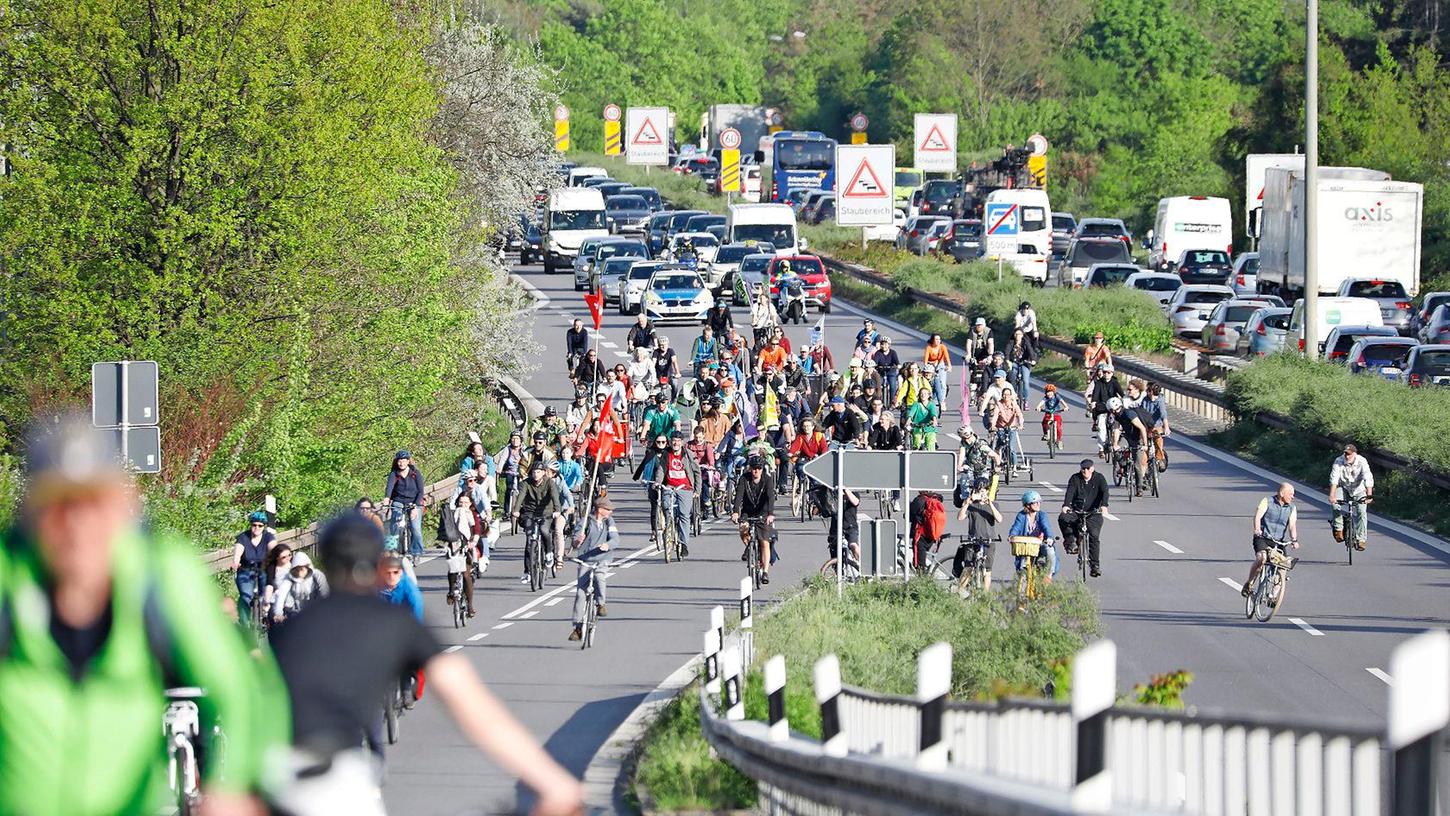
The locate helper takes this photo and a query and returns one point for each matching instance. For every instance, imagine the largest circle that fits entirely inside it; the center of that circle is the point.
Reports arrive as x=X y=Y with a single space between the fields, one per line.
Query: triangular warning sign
x=864 y=184
x=935 y=142
x=647 y=135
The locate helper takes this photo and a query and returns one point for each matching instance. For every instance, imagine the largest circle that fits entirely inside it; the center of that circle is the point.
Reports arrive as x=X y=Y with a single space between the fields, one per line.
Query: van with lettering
x=1189 y=222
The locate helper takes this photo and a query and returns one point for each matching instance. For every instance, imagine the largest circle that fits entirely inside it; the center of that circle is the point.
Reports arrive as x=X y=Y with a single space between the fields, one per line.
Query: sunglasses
x=263 y=524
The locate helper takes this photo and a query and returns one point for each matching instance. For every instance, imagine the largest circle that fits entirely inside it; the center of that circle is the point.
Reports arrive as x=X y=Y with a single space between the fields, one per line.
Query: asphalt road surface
x=1169 y=595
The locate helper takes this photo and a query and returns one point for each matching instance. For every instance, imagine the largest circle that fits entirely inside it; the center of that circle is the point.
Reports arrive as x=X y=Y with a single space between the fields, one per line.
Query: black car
x=626 y=213
x=649 y=194
x=963 y=240
x=702 y=222
x=523 y=237
x=662 y=227
x=942 y=197
x=1210 y=266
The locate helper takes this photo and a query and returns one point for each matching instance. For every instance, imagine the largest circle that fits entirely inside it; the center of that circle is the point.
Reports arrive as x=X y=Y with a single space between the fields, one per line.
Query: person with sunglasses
x=755 y=502
x=645 y=473
x=249 y=552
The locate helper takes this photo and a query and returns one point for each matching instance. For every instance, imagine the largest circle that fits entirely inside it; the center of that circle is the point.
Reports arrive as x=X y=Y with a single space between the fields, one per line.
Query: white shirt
x=1026 y=321
x=1353 y=480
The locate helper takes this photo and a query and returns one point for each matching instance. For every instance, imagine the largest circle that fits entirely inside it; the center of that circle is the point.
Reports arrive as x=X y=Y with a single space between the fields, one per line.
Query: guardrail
x=1203 y=398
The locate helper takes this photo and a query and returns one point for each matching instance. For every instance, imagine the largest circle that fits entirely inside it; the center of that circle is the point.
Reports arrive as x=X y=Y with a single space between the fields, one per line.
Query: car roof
x=1116 y=222
x=1272 y=311
x=1205 y=287
x=1430 y=347
x=1387 y=341
x=1097 y=239
x=692 y=235
x=1147 y=274
x=1384 y=331
x=1120 y=265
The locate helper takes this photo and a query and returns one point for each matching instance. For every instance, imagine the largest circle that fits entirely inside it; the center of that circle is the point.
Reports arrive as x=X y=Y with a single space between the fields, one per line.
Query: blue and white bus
x=798 y=160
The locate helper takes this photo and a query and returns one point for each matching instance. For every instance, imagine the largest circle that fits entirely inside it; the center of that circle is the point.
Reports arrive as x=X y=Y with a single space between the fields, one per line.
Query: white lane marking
x=452 y=649
x=530 y=614
x=535 y=602
x=555 y=601
x=621 y=355
x=1300 y=622
x=478 y=637
x=1169 y=547
x=1111 y=516
x=504 y=625
x=1232 y=584
x=427 y=558
x=609 y=344
x=1381 y=674
x=540 y=299
x=1050 y=486
x=628 y=564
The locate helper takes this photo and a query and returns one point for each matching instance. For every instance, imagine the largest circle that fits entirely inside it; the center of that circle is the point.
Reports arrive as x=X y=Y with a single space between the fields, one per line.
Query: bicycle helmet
x=834 y=377
x=999 y=373
x=1115 y=404
x=549 y=411
x=256 y=517
x=662 y=397
x=1108 y=367
x=1100 y=367
x=966 y=432
x=755 y=462
x=1031 y=496
x=539 y=436
x=1024 y=305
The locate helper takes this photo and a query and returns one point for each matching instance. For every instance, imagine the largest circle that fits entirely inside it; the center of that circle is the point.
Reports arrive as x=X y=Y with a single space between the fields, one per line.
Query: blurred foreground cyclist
x=98 y=617
x=341 y=656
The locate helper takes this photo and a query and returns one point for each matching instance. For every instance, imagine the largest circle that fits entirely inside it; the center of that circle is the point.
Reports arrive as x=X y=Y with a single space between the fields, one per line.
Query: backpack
x=933 y=518
x=447 y=525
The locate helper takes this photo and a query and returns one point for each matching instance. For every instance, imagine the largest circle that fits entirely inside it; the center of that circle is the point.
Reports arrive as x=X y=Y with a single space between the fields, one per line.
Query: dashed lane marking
x=1169 y=547
x=1111 y=516
x=555 y=601
x=528 y=614
x=504 y=625
x=1300 y=622
x=1381 y=674
x=1050 y=486
x=478 y=637
x=1232 y=584
x=452 y=649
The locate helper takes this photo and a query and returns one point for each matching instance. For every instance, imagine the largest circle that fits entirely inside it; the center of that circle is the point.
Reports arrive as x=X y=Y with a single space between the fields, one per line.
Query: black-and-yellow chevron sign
x=730 y=171
x=613 y=142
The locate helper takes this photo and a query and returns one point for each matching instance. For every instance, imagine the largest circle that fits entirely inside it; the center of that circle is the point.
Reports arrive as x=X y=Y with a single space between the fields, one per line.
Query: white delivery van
x=572 y=215
x=1034 y=222
x=771 y=223
x=1189 y=222
x=1333 y=311
x=578 y=174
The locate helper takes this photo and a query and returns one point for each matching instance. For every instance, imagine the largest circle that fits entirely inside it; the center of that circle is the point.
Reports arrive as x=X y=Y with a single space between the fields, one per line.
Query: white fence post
x=747 y=620
x=712 y=661
x=827 y=677
x=933 y=681
x=1419 y=716
x=775 y=697
x=1094 y=685
x=734 y=683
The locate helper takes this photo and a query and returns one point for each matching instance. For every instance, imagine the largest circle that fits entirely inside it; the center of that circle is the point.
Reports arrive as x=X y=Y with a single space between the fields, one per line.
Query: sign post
x=1003 y=222
x=561 y=128
x=125 y=402
x=858 y=130
x=868 y=194
x=647 y=131
x=613 y=142
x=730 y=163
x=936 y=142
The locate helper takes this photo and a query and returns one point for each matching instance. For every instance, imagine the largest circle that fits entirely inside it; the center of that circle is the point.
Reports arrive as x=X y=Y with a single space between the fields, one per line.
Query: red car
x=811 y=272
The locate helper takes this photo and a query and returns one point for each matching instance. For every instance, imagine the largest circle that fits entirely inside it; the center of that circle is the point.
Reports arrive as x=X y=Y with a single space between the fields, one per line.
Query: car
x=1063 y=224
x=1029 y=262
x=1427 y=365
x=749 y=276
x=812 y=273
x=886 y=233
x=796 y=199
x=710 y=175
x=603 y=251
x=942 y=197
x=824 y=211
x=524 y=237
x=612 y=188
x=631 y=286
x=1226 y=322
x=626 y=214
x=668 y=223
x=1159 y=285
x=727 y=259
x=1428 y=304
x=1103 y=228
x=1191 y=304
x=1266 y=332
x=677 y=293
x=1437 y=328
x=694 y=165
x=1341 y=338
x=1204 y=266
x=1109 y=274
x=609 y=277
x=1267 y=300
x=1393 y=300
x=1083 y=253
x=655 y=230
x=592 y=182
x=649 y=194
x=915 y=236
x=717 y=230
x=750 y=183
x=963 y=241
x=809 y=202
x=586 y=252
x=705 y=246
x=913 y=204
x=702 y=222
x=1245 y=276
x=1380 y=356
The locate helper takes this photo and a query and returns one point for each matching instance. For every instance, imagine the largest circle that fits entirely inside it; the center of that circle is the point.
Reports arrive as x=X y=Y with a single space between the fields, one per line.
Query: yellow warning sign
x=613 y=142
x=1037 y=170
x=858 y=138
x=561 y=135
x=776 y=128
x=730 y=171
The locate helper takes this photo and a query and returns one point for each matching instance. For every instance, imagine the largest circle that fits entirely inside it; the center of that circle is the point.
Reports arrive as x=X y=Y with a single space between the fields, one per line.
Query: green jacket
x=95 y=746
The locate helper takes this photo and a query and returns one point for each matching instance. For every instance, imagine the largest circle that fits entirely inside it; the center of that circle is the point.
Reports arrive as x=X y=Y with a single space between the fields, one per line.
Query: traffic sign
x=613 y=142
x=859 y=122
x=867 y=196
x=561 y=113
x=647 y=132
x=561 y=135
x=138 y=448
x=612 y=112
x=858 y=138
x=1003 y=219
x=125 y=393
x=885 y=470
x=730 y=166
x=1037 y=143
x=1037 y=169
x=730 y=139
x=936 y=142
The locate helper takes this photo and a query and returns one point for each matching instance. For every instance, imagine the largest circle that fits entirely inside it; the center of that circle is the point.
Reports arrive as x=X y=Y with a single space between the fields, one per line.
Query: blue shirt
x=1156 y=410
x=1054 y=404
x=405 y=594
x=571 y=472
x=1042 y=527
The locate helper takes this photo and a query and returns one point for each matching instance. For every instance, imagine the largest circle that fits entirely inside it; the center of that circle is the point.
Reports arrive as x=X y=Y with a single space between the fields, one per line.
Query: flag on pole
x=746 y=408
x=818 y=332
x=771 y=415
x=611 y=440
x=595 y=301
x=966 y=389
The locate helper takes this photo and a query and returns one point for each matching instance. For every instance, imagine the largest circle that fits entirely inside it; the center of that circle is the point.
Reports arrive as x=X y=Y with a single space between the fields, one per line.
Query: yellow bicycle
x=1029 y=586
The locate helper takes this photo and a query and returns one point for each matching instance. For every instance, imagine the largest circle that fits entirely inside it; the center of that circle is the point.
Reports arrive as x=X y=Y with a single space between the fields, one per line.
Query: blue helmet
x=257 y=516
x=1031 y=496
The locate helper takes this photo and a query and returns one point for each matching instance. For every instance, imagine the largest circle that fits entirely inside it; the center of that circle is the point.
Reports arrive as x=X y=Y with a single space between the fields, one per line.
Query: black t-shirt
x=1125 y=419
x=980 y=522
x=80 y=645
x=664 y=362
x=844 y=426
x=341 y=656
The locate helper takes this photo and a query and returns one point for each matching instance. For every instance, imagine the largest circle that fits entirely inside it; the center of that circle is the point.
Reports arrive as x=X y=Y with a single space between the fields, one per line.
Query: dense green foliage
x=1140 y=98
x=249 y=194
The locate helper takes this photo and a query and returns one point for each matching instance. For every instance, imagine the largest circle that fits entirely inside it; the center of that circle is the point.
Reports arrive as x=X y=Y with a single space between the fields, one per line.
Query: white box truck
x=1369 y=226
x=748 y=119
x=1255 y=166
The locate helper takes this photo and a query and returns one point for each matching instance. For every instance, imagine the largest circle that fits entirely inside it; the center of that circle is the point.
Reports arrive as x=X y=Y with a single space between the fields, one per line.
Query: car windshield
x=576 y=219
x=908 y=178
x=700 y=222
x=622 y=248
x=1278 y=321
x=755 y=263
x=806 y=267
x=1204 y=297
x=1113 y=274
x=702 y=240
x=678 y=219
x=780 y=235
x=1063 y=223
x=1251 y=266
x=649 y=194
x=1086 y=253
x=676 y=282
x=1434 y=363
x=940 y=191
x=641 y=271
x=966 y=230
x=618 y=266
x=805 y=154
x=1377 y=289
x=1156 y=284
x=1204 y=257
x=1101 y=230
x=1240 y=314
x=626 y=202
x=1387 y=354
x=732 y=254
x=1034 y=219
x=659 y=222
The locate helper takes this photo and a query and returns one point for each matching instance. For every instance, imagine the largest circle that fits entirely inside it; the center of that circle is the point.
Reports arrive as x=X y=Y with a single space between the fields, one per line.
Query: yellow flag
x=771 y=415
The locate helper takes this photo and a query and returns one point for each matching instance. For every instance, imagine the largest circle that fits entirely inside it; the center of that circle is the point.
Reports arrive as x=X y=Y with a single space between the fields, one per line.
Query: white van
x=771 y=223
x=578 y=174
x=572 y=215
x=1034 y=222
x=750 y=179
x=1333 y=311
x=1189 y=222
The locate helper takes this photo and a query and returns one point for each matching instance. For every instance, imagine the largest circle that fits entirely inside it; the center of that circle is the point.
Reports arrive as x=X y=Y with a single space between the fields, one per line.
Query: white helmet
x=1115 y=404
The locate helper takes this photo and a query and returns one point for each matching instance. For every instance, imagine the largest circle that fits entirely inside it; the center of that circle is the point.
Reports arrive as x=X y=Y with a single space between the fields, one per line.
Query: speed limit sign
x=611 y=112
x=730 y=138
x=561 y=113
x=859 y=122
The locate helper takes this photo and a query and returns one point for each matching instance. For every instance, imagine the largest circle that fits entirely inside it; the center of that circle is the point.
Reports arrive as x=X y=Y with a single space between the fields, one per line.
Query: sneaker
x=1162 y=465
x=1096 y=573
x=1359 y=545
x=472 y=613
x=602 y=611
x=524 y=579
x=684 y=549
x=1246 y=590
x=1070 y=550
x=745 y=554
x=765 y=579
x=577 y=634
x=1044 y=437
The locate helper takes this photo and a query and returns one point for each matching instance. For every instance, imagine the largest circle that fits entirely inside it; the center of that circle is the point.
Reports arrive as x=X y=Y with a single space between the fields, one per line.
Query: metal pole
x=840 y=539
x=1311 y=179
x=125 y=414
x=906 y=502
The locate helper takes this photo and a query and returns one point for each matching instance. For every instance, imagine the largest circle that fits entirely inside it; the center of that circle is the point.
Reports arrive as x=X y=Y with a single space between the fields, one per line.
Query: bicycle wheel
x=1249 y=601
x=753 y=561
x=1082 y=561
x=390 y=714
x=1117 y=471
x=591 y=620
x=1264 y=596
x=667 y=533
x=457 y=607
x=536 y=563
x=1153 y=478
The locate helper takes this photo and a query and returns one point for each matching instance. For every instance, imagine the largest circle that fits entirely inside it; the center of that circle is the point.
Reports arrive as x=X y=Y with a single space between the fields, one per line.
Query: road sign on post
x=885 y=470
x=858 y=128
x=125 y=402
x=936 y=142
x=774 y=120
x=613 y=142
x=1003 y=222
x=730 y=170
x=867 y=195
x=647 y=135
x=561 y=128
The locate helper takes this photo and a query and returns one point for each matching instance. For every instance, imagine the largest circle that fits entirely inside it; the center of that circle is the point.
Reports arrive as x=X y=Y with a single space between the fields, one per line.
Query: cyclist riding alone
x=576 y=342
x=248 y=553
x=677 y=478
x=405 y=487
x=1087 y=493
x=1031 y=521
x=99 y=615
x=1350 y=478
x=1276 y=519
x=755 y=501
x=1052 y=406
x=595 y=544
x=979 y=347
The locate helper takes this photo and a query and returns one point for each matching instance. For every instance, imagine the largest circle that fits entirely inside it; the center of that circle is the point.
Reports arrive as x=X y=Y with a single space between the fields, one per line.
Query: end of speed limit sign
x=612 y=113
x=730 y=138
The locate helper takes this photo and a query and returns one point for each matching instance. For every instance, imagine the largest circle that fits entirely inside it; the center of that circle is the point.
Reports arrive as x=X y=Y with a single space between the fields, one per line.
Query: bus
x=798 y=160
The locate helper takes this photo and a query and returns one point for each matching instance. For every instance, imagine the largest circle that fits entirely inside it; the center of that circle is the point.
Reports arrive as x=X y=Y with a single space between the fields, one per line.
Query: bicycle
x=697 y=510
x=400 y=517
x=976 y=570
x=1124 y=469
x=1053 y=436
x=591 y=602
x=1151 y=475
x=752 y=535
x=1269 y=589
x=181 y=723
x=931 y=563
x=1002 y=446
x=1350 y=514
x=1080 y=530
x=534 y=553
x=665 y=524
x=460 y=598
x=393 y=709
x=1029 y=588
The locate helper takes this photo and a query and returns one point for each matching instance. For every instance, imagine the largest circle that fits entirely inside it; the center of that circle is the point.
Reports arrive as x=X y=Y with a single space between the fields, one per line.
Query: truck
x=1369 y=226
x=748 y=119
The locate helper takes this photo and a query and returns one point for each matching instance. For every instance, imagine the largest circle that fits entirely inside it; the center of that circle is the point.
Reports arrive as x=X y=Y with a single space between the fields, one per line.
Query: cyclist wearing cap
x=866 y=338
x=1032 y=521
x=888 y=364
x=537 y=453
x=987 y=404
x=1026 y=320
x=677 y=478
x=248 y=553
x=1101 y=388
x=661 y=419
x=405 y=487
x=704 y=349
x=1087 y=493
x=844 y=424
x=755 y=500
x=713 y=421
x=1052 y=406
x=979 y=348
x=719 y=318
x=1350 y=478
x=596 y=544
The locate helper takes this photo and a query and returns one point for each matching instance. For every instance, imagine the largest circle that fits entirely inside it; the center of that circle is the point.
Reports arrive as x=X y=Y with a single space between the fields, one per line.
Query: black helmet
x=539 y=436
x=549 y=411
x=755 y=461
x=1024 y=305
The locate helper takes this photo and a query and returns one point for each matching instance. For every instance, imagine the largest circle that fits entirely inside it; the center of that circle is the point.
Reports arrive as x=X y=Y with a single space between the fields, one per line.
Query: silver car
x=916 y=236
x=1266 y=332
x=632 y=286
x=612 y=274
x=1159 y=285
x=1191 y=305
x=1437 y=327
x=582 y=259
x=1245 y=277
x=1083 y=253
x=1224 y=324
x=1063 y=226
x=1393 y=300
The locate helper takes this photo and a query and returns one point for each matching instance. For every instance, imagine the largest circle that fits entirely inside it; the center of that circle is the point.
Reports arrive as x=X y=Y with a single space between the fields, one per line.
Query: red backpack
x=933 y=519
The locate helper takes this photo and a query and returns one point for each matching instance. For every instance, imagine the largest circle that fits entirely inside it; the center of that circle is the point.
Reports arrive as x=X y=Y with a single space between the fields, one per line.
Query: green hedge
x=1326 y=399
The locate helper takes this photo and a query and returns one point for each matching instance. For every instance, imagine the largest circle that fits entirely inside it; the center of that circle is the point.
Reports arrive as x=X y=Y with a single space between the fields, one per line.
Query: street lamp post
x=1311 y=179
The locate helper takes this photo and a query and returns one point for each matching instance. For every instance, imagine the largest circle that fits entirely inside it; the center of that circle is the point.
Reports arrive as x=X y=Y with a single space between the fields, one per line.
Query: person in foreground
x=340 y=656
x=98 y=617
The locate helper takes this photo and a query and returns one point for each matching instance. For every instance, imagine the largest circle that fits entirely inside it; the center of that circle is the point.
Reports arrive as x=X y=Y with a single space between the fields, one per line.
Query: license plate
x=1389 y=370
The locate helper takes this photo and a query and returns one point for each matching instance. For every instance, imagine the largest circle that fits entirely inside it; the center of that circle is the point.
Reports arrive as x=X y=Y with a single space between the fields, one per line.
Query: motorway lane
x=1165 y=604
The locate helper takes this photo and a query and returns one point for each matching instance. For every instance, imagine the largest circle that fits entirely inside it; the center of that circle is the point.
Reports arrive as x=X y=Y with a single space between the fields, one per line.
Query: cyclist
x=667 y=366
x=885 y=433
x=456 y=552
x=938 y=356
x=755 y=500
x=1097 y=353
x=986 y=405
x=772 y=355
x=248 y=553
x=1157 y=412
x=300 y=585
x=704 y=350
x=405 y=487
x=888 y=364
x=922 y=417
x=1350 y=478
x=713 y=421
x=576 y=342
x=844 y=425
x=397 y=587
x=100 y=615
x=1032 y=521
x=980 y=513
x=703 y=453
x=1052 y=406
x=1023 y=356
x=1006 y=422
x=576 y=415
x=719 y=318
x=1276 y=519
x=539 y=452
x=1132 y=426
x=912 y=383
x=850 y=526
x=979 y=348
x=596 y=544
x=343 y=654
x=615 y=389
x=1025 y=319
x=589 y=373
x=762 y=314
x=1102 y=387
x=677 y=478
x=506 y=464
x=866 y=338
x=976 y=459
x=649 y=463
x=642 y=334
x=807 y=445
x=552 y=425
x=1087 y=493
x=539 y=509
x=661 y=419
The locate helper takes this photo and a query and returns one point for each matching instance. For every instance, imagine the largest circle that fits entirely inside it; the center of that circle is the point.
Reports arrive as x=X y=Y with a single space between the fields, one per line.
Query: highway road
x=1169 y=596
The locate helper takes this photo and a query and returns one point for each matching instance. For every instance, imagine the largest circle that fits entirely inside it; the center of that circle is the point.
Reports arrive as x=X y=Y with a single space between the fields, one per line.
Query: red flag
x=611 y=440
x=595 y=301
